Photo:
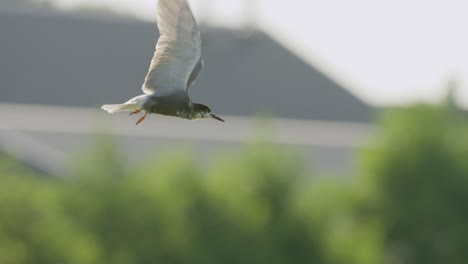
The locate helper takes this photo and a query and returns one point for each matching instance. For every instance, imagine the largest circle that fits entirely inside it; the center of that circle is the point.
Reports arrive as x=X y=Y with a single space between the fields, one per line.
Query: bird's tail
x=114 y=108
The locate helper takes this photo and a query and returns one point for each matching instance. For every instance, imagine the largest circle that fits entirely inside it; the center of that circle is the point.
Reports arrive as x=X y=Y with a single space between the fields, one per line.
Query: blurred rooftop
x=81 y=61
x=56 y=67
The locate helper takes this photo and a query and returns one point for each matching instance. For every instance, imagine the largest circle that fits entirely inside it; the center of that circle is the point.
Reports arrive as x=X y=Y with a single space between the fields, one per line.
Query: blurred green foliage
x=419 y=168
x=408 y=204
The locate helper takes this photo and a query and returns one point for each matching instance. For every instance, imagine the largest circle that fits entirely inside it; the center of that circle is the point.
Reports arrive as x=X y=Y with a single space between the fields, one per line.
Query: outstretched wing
x=178 y=50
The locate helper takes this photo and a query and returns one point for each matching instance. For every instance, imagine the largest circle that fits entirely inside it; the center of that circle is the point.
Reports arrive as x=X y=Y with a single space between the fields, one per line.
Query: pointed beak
x=217 y=117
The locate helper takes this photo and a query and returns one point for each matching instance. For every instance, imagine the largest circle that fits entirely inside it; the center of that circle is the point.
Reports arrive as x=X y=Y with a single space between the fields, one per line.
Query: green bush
x=33 y=225
x=419 y=168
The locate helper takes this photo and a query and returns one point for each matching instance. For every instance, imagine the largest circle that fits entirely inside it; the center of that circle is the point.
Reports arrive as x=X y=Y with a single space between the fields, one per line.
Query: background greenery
x=408 y=203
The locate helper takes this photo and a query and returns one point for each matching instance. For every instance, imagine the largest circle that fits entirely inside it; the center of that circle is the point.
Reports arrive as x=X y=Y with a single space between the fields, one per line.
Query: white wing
x=178 y=49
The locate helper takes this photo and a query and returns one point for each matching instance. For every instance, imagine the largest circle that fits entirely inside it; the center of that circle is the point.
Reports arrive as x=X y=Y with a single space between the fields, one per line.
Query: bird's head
x=203 y=111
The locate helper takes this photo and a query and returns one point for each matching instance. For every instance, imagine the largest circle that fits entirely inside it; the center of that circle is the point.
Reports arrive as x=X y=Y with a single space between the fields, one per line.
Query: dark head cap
x=205 y=111
x=201 y=108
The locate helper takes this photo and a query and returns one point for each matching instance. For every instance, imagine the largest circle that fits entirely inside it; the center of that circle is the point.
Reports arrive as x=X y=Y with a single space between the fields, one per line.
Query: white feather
x=114 y=108
x=133 y=104
x=178 y=49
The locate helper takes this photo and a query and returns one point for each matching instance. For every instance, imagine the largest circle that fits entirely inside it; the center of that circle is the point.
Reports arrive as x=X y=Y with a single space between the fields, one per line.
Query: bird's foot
x=135 y=112
x=141 y=119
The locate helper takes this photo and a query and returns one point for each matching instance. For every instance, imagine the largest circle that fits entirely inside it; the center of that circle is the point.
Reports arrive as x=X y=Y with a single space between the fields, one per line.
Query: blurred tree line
x=408 y=203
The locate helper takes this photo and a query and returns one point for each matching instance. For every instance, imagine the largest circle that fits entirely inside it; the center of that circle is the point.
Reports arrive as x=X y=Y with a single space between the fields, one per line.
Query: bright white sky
x=385 y=51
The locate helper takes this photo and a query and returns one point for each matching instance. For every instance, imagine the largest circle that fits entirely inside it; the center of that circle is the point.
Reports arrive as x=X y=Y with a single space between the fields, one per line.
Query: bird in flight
x=176 y=65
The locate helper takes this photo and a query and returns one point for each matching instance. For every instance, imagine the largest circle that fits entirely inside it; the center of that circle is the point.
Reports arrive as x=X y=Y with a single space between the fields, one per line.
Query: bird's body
x=174 y=68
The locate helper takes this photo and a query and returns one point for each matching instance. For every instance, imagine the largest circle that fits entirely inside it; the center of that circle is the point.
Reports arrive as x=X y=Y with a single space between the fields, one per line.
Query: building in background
x=67 y=63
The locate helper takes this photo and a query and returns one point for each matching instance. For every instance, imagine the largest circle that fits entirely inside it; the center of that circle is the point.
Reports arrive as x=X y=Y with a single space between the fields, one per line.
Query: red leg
x=135 y=112
x=141 y=119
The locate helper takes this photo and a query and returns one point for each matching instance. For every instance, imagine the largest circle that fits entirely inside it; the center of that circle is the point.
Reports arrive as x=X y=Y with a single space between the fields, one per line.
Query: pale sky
x=384 y=51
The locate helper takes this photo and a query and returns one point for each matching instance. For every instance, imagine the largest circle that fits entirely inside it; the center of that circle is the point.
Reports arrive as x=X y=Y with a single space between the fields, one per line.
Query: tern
x=175 y=66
